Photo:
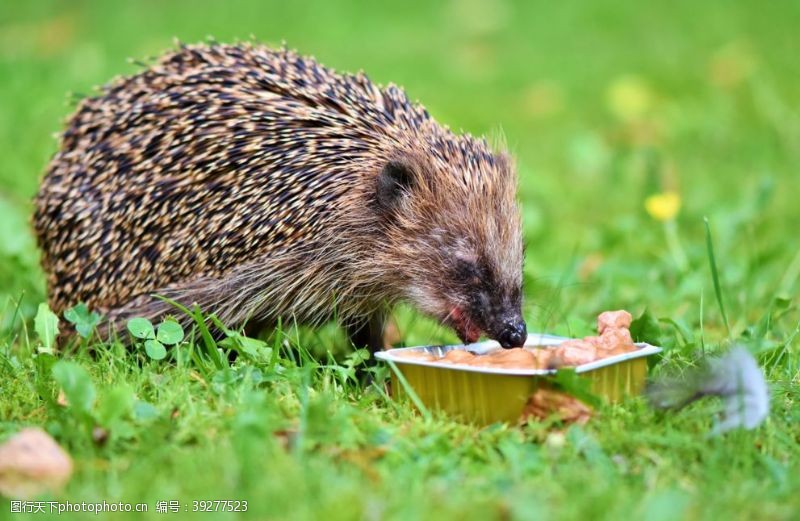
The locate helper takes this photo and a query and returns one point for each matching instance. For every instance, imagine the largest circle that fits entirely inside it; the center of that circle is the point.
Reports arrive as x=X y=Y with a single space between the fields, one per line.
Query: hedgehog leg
x=368 y=332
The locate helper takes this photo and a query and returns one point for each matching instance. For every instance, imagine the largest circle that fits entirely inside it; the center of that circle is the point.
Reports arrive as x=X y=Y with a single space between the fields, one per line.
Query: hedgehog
x=261 y=186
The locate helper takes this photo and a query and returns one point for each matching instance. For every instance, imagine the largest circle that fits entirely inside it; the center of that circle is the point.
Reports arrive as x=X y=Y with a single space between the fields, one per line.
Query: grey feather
x=735 y=378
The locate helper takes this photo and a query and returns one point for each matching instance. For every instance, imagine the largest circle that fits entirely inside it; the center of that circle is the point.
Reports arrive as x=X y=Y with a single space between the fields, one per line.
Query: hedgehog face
x=484 y=301
x=454 y=234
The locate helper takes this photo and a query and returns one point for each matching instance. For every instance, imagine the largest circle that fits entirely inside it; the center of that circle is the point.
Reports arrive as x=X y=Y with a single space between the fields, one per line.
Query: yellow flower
x=664 y=206
x=629 y=98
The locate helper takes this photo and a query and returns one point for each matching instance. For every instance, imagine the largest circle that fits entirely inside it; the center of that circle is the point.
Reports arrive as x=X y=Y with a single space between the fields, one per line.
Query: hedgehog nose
x=513 y=334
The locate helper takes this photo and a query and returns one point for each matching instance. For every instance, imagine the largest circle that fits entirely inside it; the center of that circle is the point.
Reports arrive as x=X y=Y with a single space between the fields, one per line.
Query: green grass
x=603 y=104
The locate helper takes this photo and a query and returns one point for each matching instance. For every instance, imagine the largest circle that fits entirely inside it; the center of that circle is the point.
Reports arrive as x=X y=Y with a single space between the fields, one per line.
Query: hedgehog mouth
x=465 y=328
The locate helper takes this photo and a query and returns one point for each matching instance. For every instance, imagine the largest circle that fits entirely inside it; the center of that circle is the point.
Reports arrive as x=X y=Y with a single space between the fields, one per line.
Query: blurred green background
x=630 y=122
x=603 y=103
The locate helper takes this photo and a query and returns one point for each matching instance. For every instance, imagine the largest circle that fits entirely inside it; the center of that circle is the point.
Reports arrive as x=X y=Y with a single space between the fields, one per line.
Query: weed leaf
x=76 y=384
x=141 y=328
x=646 y=329
x=83 y=320
x=46 y=326
x=169 y=332
x=155 y=349
x=115 y=405
x=567 y=380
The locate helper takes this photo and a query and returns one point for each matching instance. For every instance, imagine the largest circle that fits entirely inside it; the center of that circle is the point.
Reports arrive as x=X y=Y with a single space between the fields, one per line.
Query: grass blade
x=702 y=330
x=197 y=316
x=409 y=391
x=715 y=276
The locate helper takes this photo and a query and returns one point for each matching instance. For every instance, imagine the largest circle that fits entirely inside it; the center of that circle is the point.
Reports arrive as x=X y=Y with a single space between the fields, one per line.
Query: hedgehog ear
x=395 y=180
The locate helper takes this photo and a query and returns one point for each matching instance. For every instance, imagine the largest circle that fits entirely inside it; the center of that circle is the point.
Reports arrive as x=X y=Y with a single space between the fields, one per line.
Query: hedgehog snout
x=501 y=318
x=512 y=333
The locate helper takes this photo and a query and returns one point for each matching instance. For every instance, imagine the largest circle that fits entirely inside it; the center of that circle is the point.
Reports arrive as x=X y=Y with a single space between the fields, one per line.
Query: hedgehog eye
x=396 y=178
x=468 y=272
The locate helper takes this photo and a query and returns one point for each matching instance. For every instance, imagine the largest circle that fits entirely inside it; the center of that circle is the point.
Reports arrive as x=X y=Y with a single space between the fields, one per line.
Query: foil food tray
x=485 y=395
